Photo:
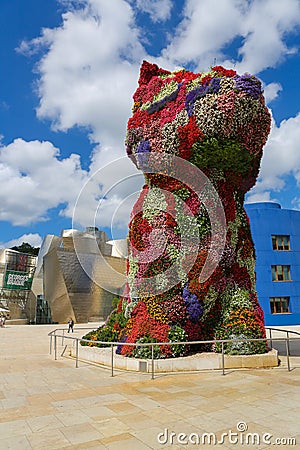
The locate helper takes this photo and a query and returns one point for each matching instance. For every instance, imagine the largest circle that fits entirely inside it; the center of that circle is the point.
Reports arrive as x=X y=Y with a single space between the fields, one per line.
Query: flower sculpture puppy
x=218 y=122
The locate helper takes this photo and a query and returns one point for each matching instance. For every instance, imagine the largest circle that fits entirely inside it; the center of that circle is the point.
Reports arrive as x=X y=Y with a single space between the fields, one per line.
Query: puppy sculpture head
x=217 y=120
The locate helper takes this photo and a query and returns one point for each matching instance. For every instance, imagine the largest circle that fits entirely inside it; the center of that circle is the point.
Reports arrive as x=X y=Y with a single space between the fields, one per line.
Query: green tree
x=26 y=248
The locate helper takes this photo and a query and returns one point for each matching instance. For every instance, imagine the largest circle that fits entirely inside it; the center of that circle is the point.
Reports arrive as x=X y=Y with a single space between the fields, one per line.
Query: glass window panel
x=285 y=305
x=286 y=273
x=279 y=305
x=273 y=273
x=281 y=273
x=281 y=242
x=286 y=242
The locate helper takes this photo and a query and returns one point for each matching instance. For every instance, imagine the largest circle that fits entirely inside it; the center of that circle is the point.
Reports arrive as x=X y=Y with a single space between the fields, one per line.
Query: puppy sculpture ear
x=148 y=71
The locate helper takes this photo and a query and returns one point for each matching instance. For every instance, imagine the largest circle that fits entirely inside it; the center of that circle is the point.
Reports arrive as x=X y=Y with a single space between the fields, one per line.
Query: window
x=281 y=242
x=281 y=273
x=280 y=305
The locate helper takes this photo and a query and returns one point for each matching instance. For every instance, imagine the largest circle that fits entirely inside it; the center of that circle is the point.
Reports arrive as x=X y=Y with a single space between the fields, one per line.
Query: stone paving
x=48 y=404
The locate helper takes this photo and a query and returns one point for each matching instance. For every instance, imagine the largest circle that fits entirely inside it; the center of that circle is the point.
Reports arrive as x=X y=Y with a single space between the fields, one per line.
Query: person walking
x=71 y=325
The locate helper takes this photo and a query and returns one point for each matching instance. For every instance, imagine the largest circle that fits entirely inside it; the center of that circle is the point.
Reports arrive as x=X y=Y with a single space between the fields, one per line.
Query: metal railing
x=53 y=335
x=287 y=340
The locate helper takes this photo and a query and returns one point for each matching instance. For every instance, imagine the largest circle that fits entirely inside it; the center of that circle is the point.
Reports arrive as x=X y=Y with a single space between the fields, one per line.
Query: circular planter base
x=198 y=361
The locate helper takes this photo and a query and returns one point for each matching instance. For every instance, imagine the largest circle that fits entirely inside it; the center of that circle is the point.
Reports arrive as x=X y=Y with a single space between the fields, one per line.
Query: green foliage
x=104 y=333
x=241 y=323
x=26 y=248
x=110 y=331
x=182 y=193
x=120 y=319
x=177 y=334
x=225 y=154
x=115 y=301
x=203 y=221
x=240 y=347
x=145 y=352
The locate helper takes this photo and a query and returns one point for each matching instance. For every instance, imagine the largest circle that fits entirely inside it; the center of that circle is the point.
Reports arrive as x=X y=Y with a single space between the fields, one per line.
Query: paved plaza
x=48 y=404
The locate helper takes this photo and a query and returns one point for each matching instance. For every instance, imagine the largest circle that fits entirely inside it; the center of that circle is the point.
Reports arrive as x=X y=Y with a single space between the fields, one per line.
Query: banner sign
x=17 y=280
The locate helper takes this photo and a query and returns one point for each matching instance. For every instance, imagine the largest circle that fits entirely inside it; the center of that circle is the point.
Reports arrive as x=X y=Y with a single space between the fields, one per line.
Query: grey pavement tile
x=13 y=402
x=98 y=412
x=149 y=437
x=131 y=443
x=139 y=421
x=94 y=444
x=42 y=423
x=81 y=433
x=14 y=428
x=48 y=439
x=72 y=418
x=145 y=403
x=124 y=408
x=111 y=427
x=15 y=443
x=64 y=405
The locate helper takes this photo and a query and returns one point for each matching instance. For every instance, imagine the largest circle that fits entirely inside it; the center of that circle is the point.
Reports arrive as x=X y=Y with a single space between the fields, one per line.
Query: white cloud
x=33 y=239
x=208 y=26
x=88 y=74
x=34 y=179
x=296 y=202
x=271 y=91
x=264 y=196
x=265 y=28
x=158 y=10
x=90 y=66
x=281 y=158
x=107 y=197
x=90 y=70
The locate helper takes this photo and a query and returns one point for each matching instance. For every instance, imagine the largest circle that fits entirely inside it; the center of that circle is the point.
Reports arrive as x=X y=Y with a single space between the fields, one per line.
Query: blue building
x=276 y=236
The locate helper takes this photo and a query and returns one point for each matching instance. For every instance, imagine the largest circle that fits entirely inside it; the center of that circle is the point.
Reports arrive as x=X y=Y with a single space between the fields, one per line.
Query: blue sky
x=68 y=72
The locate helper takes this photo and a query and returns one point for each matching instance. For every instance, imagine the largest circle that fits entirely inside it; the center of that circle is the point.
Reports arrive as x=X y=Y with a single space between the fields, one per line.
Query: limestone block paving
x=48 y=404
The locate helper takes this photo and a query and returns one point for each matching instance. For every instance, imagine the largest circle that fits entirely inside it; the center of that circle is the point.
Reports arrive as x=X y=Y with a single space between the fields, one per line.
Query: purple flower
x=249 y=84
x=193 y=306
x=144 y=147
x=157 y=106
x=209 y=87
x=119 y=347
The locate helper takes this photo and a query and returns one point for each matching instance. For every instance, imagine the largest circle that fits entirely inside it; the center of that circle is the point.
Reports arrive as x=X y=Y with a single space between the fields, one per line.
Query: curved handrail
x=153 y=344
x=283 y=330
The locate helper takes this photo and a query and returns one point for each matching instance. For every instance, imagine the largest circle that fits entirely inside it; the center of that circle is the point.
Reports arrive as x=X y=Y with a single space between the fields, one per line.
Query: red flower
x=138 y=119
x=226 y=192
x=138 y=206
x=148 y=71
x=193 y=202
x=206 y=79
x=224 y=72
x=193 y=331
x=139 y=230
x=188 y=135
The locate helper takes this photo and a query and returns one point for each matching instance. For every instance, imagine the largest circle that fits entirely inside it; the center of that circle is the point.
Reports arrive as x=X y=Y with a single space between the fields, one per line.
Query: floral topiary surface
x=218 y=122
